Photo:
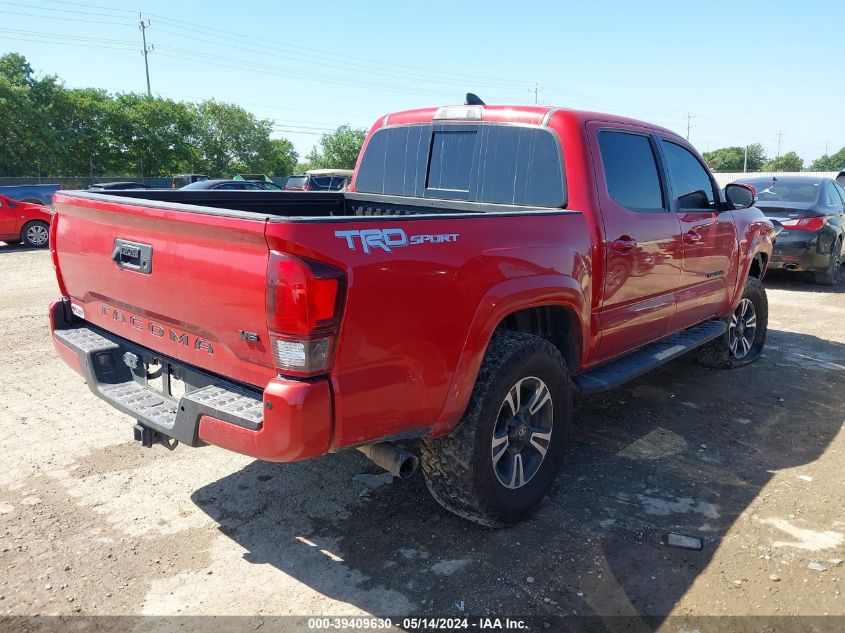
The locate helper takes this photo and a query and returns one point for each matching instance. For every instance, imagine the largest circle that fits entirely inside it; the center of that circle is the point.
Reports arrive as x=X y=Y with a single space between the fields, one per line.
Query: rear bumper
x=290 y=420
x=800 y=251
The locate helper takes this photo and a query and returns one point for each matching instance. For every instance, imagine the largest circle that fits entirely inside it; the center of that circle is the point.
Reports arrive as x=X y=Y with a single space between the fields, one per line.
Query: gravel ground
x=751 y=461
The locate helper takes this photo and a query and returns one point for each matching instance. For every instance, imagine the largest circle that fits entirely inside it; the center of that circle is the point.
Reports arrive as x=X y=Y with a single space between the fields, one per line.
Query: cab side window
x=630 y=170
x=690 y=180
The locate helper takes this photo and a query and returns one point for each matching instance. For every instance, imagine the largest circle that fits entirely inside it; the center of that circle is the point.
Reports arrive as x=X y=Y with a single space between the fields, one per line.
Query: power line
x=63 y=19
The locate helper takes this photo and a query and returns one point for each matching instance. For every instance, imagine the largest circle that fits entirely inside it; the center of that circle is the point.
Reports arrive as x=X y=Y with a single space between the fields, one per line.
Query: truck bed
x=295 y=205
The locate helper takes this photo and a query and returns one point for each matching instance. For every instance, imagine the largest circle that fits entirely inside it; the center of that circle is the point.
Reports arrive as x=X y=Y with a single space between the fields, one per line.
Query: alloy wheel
x=37 y=235
x=523 y=432
x=742 y=329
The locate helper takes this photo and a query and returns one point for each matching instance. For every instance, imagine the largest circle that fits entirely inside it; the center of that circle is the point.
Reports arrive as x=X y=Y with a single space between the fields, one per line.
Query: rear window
x=492 y=163
x=297 y=181
x=785 y=191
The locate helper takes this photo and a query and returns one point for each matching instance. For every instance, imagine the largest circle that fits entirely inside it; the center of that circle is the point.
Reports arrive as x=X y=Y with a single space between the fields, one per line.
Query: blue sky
x=744 y=71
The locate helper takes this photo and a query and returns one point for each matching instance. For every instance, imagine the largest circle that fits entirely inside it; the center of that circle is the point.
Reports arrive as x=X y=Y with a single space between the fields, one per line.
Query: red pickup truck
x=488 y=263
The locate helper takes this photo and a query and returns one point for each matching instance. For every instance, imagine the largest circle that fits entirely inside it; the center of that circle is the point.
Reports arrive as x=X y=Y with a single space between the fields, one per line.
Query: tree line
x=48 y=129
x=734 y=159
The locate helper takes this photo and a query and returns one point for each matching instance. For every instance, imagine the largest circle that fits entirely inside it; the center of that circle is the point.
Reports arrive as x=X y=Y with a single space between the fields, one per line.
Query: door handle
x=692 y=237
x=624 y=244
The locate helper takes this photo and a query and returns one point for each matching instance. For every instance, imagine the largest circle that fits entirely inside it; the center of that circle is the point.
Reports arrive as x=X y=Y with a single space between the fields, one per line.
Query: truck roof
x=524 y=114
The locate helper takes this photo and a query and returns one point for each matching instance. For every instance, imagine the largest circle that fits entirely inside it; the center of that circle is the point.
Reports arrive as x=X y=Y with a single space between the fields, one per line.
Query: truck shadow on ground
x=684 y=449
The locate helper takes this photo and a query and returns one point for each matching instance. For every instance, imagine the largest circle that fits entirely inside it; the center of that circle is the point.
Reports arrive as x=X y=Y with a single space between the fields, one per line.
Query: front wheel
x=745 y=337
x=503 y=456
x=35 y=234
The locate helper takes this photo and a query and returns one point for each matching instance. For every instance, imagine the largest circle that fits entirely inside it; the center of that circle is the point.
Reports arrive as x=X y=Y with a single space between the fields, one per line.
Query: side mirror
x=740 y=196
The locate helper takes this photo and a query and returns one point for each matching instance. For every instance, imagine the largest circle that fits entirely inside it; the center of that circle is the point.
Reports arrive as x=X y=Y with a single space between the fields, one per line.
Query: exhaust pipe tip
x=398 y=461
x=409 y=466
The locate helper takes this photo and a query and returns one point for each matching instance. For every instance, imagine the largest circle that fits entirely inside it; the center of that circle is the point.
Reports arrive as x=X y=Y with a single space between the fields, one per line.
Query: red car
x=24 y=222
x=489 y=263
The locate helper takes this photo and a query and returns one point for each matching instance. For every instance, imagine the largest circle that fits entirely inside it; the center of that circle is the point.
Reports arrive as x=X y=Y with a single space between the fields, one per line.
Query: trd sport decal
x=388 y=239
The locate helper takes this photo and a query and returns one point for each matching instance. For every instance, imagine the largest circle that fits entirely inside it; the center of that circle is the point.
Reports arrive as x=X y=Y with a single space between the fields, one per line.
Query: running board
x=627 y=368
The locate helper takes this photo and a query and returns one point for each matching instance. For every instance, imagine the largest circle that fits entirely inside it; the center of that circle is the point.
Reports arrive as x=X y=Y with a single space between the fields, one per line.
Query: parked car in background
x=109 y=186
x=319 y=180
x=36 y=194
x=841 y=178
x=24 y=222
x=186 y=179
x=234 y=185
x=812 y=213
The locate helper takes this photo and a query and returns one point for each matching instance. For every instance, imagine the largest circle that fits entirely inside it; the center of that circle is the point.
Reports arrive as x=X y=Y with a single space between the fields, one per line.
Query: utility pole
x=780 y=136
x=536 y=91
x=147 y=49
x=689 y=120
x=745 y=161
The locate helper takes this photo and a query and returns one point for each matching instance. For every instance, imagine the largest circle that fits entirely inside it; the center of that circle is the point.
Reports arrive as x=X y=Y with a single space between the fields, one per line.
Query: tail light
x=814 y=223
x=54 y=221
x=304 y=305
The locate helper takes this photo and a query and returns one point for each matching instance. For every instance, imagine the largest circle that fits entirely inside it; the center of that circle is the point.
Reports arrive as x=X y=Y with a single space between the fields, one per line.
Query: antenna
x=473 y=99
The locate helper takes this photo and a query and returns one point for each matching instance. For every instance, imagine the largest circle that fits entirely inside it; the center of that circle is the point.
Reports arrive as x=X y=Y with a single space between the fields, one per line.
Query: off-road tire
x=42 y=229
x=717 y=353
x=830 y=277
x=458 y=468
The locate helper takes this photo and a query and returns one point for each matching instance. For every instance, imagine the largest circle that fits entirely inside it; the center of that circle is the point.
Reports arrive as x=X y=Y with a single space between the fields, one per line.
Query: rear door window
x=487 y=163
x=321 y=182
x=630 y=170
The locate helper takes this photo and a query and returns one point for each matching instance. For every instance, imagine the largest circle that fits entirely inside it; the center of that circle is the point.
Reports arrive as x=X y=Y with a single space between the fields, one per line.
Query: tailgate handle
x=133 y=256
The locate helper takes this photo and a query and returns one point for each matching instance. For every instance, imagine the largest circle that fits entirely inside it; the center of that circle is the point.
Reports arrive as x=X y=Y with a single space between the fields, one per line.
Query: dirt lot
x=752 y=461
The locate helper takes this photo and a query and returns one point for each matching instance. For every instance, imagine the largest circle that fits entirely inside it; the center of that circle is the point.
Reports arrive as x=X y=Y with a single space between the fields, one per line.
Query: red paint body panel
x=416 y=321
x=13 y=218
x=297 y=424
x=208 y=281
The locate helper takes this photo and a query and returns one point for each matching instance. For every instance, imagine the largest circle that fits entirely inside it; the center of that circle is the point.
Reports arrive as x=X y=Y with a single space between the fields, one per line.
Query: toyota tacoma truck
x=486 y=264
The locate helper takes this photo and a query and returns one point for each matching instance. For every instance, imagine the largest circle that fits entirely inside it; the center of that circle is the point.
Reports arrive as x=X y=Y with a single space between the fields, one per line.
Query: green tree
x=338 y=150
x=833 y=162
x=229 y=139
x=26 y=117
x=152 y=136
x=81 y=137
x=788 y=162
x=733 y=158
x=282 y=159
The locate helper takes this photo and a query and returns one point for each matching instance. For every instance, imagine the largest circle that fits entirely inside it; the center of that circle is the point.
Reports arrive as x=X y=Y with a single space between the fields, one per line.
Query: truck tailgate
x=189 y=285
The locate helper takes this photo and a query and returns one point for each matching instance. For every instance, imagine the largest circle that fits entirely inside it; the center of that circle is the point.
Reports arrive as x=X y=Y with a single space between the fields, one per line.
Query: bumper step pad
x=618 y=372
x=101 y=356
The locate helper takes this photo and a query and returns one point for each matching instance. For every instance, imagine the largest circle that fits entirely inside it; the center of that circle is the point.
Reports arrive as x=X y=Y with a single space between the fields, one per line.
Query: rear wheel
x=745 y=337
x=35 y=234
x=830 y=277
x=502 y=458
